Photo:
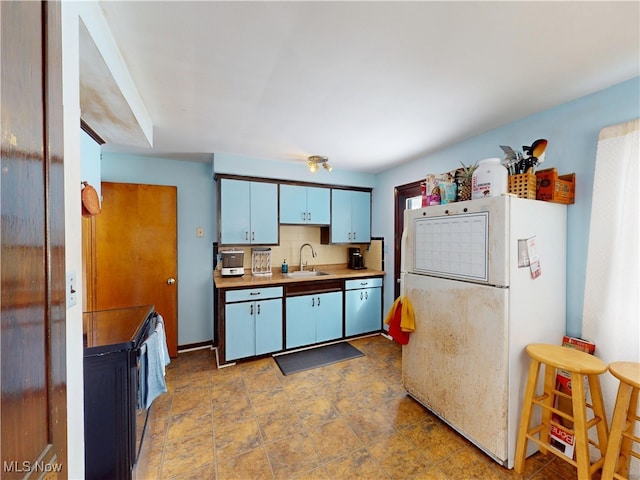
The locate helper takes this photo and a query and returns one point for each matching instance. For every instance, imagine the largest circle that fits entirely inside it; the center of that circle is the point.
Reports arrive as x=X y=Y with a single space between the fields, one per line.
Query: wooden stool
x=578 y=364
x=625 y=416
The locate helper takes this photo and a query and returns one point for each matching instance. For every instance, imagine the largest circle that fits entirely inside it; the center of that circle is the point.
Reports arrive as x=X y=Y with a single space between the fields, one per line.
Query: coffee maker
x=356 y=261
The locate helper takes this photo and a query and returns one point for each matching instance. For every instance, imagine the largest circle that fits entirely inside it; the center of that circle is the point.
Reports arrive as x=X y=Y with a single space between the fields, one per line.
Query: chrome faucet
x=313 y=252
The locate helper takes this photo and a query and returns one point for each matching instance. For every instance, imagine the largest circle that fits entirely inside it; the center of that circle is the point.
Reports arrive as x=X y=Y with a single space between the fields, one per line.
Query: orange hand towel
x=401 y=320
x=408 y=319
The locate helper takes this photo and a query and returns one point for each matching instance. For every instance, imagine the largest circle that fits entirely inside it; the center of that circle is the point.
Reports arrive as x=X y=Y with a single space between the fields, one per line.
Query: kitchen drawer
x=253 y=294
x=362 y=283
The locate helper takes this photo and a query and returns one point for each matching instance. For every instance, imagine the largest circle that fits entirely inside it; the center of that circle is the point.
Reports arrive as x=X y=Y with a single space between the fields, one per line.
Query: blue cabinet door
x=340 y=216
x=352 y=306
x=363 y=311
x=318 y=206
x=293 y=204
x=264 y=213
x=305 y=205
x=328 y=312
x=235 y=218
x=268 y=325
x=301 y=321
x=361 y=217
x=240 y=334
x=350 y=216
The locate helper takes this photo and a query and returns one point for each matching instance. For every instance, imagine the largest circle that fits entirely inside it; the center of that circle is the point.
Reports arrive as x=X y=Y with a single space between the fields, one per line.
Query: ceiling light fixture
x=316 y=160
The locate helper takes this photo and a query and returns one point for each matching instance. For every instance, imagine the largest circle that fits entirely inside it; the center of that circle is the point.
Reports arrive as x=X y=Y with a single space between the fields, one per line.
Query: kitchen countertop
x=335 y=271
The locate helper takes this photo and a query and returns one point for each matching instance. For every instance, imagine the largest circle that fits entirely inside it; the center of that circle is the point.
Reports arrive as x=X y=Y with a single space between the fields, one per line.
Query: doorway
x=132 y=255
x=408 y=196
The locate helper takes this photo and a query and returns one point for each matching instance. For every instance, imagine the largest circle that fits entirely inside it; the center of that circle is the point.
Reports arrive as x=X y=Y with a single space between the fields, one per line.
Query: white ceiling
x=368 y=84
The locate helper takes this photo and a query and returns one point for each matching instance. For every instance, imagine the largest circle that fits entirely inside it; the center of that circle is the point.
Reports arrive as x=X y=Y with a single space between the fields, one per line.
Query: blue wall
x=196 y=208
x=90 y=161
x=572 y=131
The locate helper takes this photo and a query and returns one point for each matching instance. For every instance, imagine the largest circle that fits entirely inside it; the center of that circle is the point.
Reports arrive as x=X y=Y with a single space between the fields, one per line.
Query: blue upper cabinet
x=319 y=205
x=304 y=205
x=350 y=216
x=248 y=212
x=264 y=213
x=361 y=216
x=235 y=217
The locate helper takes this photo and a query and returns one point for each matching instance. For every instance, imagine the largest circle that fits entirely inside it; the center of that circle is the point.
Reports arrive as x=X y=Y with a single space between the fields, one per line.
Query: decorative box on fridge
x=552 y=187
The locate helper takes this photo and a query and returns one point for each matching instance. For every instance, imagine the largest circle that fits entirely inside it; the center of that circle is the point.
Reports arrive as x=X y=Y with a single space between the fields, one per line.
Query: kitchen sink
x=304 y=274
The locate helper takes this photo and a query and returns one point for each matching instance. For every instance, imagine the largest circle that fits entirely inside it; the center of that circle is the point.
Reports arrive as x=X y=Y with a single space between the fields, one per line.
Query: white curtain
x=612 y=292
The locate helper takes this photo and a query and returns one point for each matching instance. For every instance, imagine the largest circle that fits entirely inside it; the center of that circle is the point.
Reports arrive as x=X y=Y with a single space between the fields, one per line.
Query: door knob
x=171 y=281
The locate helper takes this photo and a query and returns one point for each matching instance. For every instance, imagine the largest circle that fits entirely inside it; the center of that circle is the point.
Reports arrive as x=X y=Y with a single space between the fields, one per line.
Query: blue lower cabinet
x=313 y=319
x=301 y=321
x=329 y=316
x=240 y=335
x=253 y=327
x=363 y=306
x=268 y=326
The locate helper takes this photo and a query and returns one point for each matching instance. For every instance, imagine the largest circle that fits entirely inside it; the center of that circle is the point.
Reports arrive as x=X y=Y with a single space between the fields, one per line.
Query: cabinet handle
x=253 y=236
x=304 y=216
x=254 y=293
x=309 y=216
x=318 y=301
x=313 y=302
x=360 y=295
x=364 y=284
x=354 y=235
x=366 y=295
x=246 y=235
x=258 y=309
x=251 y=309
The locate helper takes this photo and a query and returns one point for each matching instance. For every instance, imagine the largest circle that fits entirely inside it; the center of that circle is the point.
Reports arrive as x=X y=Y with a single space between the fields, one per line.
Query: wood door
x=32 y=263
x=135 y=252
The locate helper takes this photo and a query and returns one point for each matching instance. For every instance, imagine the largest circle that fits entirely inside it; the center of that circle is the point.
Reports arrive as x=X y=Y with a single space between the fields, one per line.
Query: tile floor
x=350 y=420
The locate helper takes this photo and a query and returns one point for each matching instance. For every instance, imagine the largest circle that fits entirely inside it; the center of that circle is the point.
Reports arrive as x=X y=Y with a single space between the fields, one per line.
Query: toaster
x=232 y=263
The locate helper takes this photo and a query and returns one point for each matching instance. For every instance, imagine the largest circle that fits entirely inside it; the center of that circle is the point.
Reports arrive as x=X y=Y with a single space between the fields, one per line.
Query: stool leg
x=627 y=443
x=525 y=418
x=597 y=403
x=617 y=426
x=581 y=439
x=550 y=379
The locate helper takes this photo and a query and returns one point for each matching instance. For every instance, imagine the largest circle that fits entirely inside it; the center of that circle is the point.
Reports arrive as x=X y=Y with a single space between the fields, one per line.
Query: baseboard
x=194 y=346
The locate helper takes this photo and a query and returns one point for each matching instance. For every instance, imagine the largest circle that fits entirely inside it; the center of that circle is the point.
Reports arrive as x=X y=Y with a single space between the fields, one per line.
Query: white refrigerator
x=470 y=271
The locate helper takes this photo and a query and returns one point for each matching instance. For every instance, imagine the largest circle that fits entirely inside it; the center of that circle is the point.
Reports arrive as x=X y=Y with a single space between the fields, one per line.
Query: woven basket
x=523 y=185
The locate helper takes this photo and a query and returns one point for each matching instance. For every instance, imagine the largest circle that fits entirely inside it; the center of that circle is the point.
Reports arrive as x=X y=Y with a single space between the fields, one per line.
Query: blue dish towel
x=163 y=342
x=154 y=369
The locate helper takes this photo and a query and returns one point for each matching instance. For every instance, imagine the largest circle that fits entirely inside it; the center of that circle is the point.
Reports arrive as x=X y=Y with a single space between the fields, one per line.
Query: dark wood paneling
x=55 y=258
x=401 y=194
x=310 y=288
x=33 y=380
x=218 y=176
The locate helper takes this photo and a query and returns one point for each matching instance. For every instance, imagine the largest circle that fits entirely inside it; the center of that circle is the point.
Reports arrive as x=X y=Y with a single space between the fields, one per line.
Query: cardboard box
x=551 y=187
x=559 y=438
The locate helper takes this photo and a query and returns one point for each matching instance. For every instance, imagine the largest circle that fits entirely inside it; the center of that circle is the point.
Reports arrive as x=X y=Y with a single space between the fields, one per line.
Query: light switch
x=200 y=232
x=72 y=293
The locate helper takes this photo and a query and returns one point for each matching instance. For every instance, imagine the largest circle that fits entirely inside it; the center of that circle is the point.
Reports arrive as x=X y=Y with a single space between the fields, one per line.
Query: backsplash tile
x=292 y=237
